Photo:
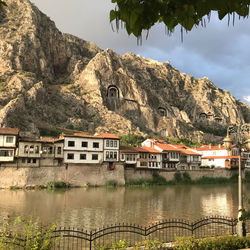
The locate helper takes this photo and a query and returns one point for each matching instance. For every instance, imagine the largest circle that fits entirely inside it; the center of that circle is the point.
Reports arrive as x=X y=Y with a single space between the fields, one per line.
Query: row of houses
x=83 y=148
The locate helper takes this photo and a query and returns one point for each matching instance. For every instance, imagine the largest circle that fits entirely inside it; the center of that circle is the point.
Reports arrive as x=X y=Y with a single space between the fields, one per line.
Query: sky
x=219 y=52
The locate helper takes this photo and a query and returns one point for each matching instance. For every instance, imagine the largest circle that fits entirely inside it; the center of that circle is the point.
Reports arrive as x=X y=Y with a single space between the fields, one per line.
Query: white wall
x=4 y=143
x=77 y=150
x=218 y=163
x=78 y=144
x=88 y=157
x=221 y=152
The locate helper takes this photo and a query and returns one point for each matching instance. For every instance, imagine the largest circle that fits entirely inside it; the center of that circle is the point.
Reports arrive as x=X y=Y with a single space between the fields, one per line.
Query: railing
x=166 y=231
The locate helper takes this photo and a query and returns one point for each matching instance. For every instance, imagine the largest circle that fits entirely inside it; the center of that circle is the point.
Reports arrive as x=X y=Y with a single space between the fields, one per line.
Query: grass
x=57 y=184
x=180 y=178
x=111 y=183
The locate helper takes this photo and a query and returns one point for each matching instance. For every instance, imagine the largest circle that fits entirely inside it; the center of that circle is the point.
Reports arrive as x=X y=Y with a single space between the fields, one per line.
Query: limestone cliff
x=51 y=79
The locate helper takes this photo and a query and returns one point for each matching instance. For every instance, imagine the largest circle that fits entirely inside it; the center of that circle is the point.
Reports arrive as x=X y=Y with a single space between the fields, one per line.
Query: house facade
x=82 y=148
x=40 y=152
x=219 y=157
x=8 y=144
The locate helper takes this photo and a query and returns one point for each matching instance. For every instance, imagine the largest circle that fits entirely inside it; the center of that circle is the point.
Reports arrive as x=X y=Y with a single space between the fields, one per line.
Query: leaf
x=112 y=15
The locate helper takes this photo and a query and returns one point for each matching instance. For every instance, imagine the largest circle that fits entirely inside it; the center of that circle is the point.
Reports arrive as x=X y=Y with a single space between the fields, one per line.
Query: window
x=107 y=143
x=23 y=160
x=37 y=149
x=6 y=153
x=71 y=143
x=82 y=156
x=84 y=144
x=59 y=150
x=115 y=143
x=9 y=139
x=34 y=161
x=50 y=150
x=95 y=156
x=107 y=154
x=111 y=144
x=32 y=149
x=70 y=156
x=29 y=161
x=111 y=155
x=122 y=156
x=95 y=144
x=26 y=149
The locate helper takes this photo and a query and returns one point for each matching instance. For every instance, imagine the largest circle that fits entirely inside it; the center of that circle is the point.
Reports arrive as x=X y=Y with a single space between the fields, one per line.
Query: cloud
x=247 y=99
x=219 y=52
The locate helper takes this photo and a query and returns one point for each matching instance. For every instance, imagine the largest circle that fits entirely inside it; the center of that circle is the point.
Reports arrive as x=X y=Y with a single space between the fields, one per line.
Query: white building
x=8 y=144
x=111 y=146
x=219 y=157
x=85 y=148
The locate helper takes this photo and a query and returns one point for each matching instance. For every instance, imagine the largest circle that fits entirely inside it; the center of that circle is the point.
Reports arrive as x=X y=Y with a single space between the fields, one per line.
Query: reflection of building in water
x=217 y=204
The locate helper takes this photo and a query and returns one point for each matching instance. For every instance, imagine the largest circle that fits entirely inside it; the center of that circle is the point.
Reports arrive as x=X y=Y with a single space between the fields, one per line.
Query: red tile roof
x=107 y=135
x=188 y=152
x=150 y=150
x=209 y=147
x=167 y=147
x=128 y=149
x=223 y=157
x=9 y=131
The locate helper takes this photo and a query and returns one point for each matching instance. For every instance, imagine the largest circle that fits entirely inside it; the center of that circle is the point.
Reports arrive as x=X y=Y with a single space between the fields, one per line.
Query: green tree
x=139 y=15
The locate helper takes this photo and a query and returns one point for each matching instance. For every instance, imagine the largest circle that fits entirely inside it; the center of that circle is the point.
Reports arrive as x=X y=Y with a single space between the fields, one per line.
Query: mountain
x=53 y=80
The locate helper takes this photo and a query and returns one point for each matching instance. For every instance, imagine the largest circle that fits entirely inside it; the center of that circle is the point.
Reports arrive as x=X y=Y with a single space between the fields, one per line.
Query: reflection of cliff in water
x=96 y=207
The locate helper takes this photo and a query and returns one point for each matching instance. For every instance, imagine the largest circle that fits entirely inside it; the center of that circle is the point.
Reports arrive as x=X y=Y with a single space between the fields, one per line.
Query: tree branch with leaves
x=139 y=15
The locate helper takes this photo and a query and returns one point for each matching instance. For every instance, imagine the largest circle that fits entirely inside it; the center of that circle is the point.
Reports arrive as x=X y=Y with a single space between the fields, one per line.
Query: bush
x=57 y=184
x=186 y=178
x=177 y=177
x=35 y=237
x=111 y=183
x=247 y=176
x=224 y=242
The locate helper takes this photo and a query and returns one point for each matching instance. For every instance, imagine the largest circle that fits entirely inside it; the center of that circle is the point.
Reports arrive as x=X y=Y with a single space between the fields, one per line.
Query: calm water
x=95 y=207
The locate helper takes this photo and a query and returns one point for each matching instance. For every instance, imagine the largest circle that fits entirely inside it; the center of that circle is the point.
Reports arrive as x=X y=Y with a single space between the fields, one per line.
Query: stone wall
x=75 y=175
x=133 y=174
x=95 y=175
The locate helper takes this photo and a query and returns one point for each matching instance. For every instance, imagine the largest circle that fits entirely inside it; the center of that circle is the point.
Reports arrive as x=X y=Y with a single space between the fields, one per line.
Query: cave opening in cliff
x=162 y=111
x=113 y=91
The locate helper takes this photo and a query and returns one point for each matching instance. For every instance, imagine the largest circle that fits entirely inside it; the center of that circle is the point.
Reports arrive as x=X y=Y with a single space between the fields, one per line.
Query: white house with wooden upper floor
x=8 y=144
x=85 y=148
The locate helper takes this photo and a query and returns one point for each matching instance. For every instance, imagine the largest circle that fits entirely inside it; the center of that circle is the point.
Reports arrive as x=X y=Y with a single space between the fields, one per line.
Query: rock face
x=50 y=79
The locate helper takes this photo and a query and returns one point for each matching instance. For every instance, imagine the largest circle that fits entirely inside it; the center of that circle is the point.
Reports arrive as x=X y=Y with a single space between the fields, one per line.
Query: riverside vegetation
x=183 y=178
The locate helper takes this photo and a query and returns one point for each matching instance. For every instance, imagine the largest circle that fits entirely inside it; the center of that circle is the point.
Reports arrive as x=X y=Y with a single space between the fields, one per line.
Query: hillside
x=49 y=79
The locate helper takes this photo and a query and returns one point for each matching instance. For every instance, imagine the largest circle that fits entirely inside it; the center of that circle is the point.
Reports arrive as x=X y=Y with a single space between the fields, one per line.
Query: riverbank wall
x=135 y=174
x=78 y=175
x=75 y=174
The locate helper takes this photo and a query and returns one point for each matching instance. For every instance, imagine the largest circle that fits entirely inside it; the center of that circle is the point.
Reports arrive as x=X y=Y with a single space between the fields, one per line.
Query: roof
x=9 y=131
x=41 y=139
x=223 y=157
x=107 y=135
x=188 y=152
x=80 y=134
x=209 y=147
x=128 y=149
x=167 y=147
x=149 y=150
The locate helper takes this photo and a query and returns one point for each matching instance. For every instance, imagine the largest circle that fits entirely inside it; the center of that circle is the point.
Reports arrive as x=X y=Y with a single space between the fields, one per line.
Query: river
x=93 y=208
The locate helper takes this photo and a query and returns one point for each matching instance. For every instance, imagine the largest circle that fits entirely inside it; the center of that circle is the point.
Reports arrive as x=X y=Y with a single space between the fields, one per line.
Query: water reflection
x=96 y=207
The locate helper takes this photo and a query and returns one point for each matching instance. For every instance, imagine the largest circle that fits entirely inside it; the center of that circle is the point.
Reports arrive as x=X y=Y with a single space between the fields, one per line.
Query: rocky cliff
x=49 y=79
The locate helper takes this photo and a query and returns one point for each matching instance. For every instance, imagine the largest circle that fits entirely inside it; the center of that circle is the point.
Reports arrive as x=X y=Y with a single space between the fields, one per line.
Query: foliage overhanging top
x=139 y=15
